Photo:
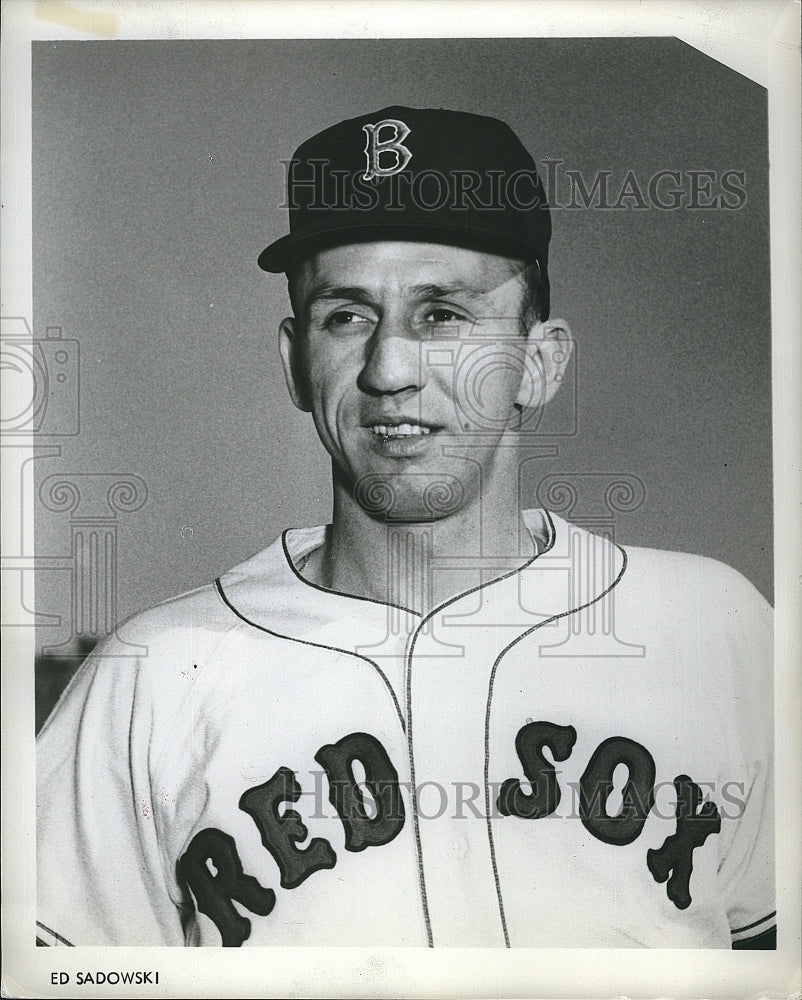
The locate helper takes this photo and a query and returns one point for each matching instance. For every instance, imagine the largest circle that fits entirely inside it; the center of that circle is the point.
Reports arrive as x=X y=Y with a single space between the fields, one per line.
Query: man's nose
x=394 y=359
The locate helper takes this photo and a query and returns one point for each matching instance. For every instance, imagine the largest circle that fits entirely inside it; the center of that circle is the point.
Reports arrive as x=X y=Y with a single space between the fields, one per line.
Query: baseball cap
x=425 y=174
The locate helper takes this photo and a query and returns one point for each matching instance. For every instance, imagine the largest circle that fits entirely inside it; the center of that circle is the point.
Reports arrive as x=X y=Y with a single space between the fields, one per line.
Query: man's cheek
x=485 y=385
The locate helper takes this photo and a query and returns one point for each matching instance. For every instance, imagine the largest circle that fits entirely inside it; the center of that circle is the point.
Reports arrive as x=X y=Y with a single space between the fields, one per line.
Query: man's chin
x=409 y=497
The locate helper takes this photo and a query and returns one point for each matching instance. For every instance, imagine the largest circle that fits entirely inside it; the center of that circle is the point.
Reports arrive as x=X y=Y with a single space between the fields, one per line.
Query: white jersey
x=577 y=754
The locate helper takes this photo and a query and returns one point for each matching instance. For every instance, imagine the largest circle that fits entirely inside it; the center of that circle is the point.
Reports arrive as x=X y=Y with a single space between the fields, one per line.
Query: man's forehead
x=420 y=268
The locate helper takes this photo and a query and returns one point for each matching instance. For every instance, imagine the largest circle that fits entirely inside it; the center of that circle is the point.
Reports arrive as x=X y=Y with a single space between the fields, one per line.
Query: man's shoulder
x=696 y=576
x=196 y=608
x=205 y=612
x=688 y=566
x=674 y=574
x=150 y=655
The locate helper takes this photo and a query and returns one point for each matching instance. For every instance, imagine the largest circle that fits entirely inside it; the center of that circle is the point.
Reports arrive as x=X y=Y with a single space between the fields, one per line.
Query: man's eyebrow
x=445 y=291
x=334 y=292
x=357 y=293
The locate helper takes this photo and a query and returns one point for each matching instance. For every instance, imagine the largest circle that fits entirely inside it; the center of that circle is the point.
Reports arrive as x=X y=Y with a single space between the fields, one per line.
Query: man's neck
x=420 y=565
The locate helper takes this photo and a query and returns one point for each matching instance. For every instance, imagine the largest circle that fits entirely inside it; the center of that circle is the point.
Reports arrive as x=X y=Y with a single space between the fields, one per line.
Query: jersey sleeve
x=746 y=861
x=101 y=879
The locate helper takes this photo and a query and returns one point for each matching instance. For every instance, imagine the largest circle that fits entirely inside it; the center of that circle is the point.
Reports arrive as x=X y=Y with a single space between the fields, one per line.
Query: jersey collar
x=571 y=569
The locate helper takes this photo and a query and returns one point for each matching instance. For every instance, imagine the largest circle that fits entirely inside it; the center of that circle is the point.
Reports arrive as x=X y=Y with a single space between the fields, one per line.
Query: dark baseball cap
x=425 y=174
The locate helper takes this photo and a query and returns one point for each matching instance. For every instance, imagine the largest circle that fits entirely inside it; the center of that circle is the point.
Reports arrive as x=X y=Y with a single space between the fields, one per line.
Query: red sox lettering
x=282 y=832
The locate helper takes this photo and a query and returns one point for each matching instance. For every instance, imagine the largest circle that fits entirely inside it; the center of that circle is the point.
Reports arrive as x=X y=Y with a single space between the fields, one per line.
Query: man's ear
x=548 y=349
x=294 y=375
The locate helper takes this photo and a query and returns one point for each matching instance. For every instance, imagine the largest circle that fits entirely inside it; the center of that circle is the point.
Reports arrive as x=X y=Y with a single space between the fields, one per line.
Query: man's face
x=410 y=357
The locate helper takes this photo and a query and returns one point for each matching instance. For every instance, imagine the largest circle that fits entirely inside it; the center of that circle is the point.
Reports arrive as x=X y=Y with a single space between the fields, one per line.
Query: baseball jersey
x=576 y=754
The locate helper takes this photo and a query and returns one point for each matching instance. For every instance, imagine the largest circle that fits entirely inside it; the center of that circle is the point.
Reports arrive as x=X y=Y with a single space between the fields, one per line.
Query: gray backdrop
x=157 y=182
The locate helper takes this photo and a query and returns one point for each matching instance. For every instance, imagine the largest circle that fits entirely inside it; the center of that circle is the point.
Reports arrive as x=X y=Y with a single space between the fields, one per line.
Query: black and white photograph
x=402 y=445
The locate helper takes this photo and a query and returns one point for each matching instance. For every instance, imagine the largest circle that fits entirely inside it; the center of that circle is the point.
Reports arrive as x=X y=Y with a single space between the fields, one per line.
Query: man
x=441 y=719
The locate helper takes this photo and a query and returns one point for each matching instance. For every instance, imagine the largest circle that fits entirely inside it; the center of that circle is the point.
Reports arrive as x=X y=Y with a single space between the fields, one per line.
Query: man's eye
x=345 y=317
x=443 y=315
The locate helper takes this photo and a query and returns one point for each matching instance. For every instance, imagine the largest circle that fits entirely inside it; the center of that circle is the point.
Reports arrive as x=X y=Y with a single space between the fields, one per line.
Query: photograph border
x=758 y=39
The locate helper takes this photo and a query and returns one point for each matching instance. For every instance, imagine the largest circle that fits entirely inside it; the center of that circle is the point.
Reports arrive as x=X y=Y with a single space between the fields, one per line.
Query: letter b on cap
x=375 y=146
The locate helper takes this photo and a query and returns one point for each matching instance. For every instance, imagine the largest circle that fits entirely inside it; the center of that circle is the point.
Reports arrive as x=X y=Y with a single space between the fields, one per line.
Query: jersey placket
x=448 y=678
x=452 y=661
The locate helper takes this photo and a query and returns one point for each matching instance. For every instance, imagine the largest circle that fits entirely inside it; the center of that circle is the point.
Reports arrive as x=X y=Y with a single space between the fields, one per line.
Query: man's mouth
x=399 y=430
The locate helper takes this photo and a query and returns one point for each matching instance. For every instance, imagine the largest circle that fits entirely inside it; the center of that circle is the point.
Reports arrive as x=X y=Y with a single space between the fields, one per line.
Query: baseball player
x=441 y=719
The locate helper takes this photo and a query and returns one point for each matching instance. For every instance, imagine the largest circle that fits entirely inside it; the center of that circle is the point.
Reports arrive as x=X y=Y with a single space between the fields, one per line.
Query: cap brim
x=285 y=252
